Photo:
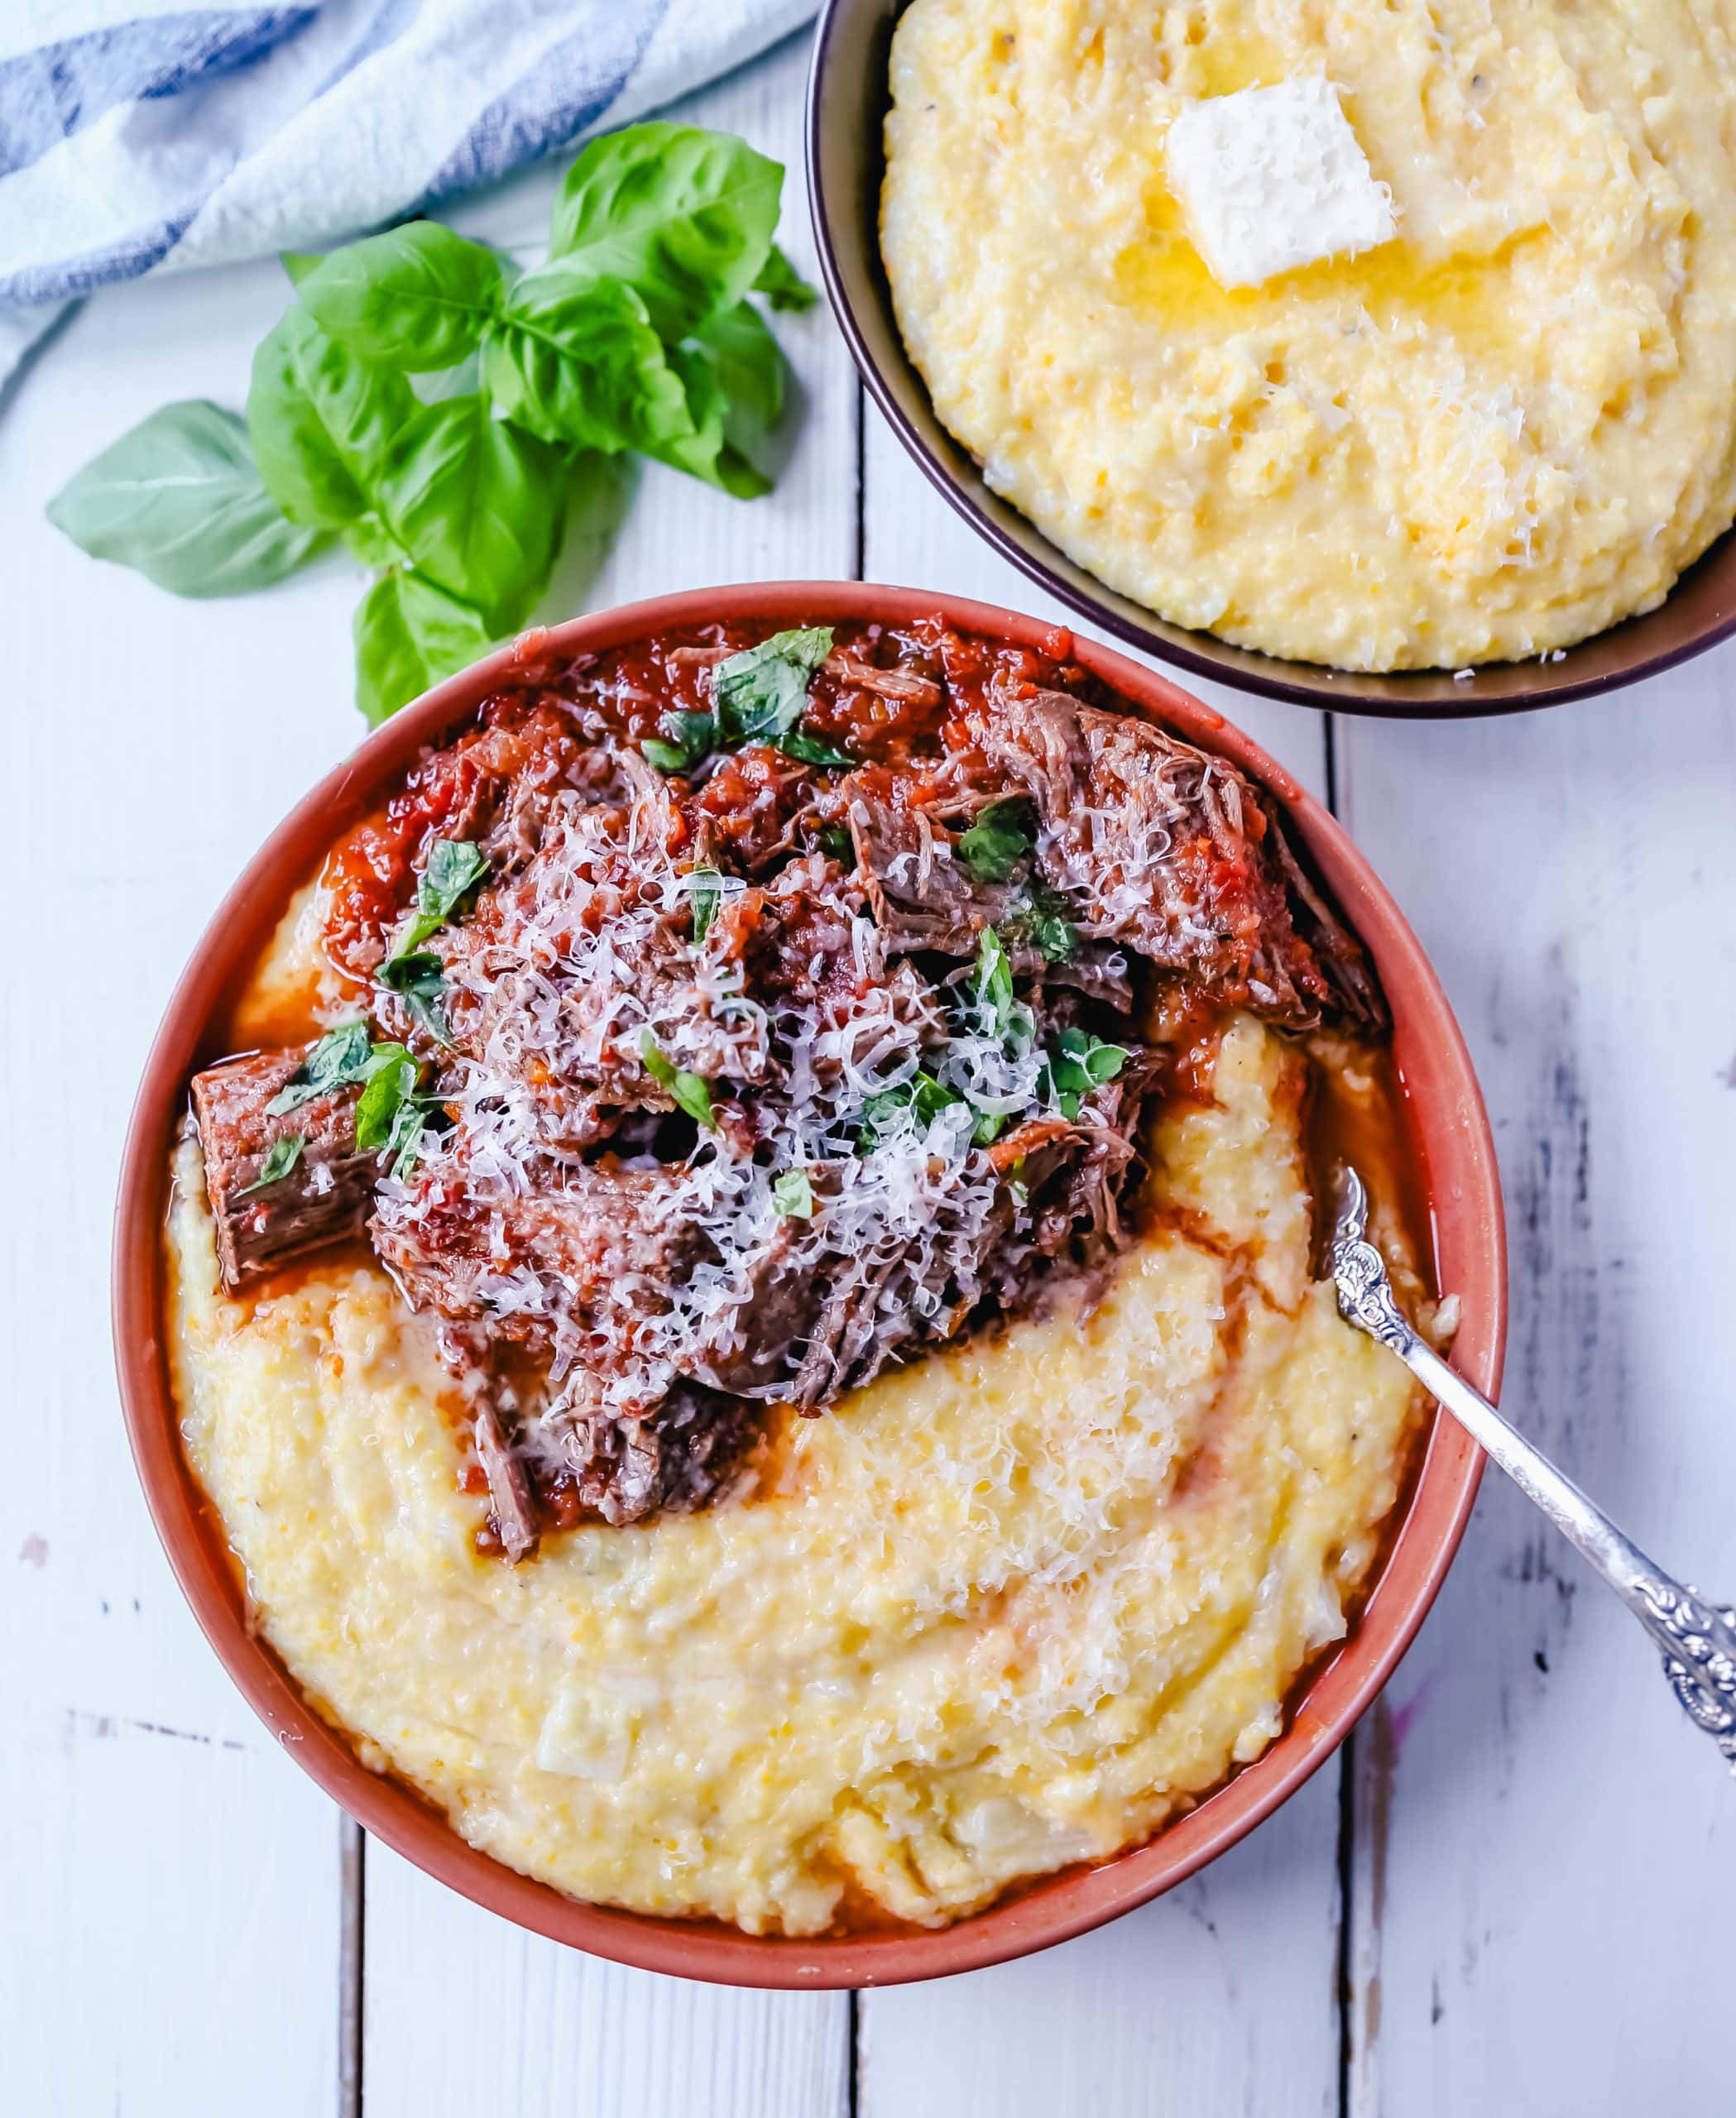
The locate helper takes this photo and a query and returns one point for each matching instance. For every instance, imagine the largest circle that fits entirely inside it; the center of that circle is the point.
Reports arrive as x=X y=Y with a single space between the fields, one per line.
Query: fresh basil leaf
x=987 y=1126
x=684 y=215
x=781 y=285
x=705 y=896
x=342 y=1055
x=762 y=691
x=706 y=452
x=416 y=297
x=322 y=422
x=749 y=363
x=995 y=844
x=179 y=499
x=791 y=1194
x=667 y=757
x=812 y=749
x=454 y=866
x=392 y=1080
x=477 y=504
x=280 y=1158
x=409 y=635
x=369 y=540
x=836 y=841
x=696 y=733
x=437 y=385
x=575 y=359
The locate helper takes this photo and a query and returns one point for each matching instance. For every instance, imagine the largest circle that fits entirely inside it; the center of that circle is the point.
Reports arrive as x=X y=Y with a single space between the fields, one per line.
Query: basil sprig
x=641 y=332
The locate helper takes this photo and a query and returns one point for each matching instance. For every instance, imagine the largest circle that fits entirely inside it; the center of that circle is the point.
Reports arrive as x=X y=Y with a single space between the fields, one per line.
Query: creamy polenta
x=1496 y=433
x=1005 y=1609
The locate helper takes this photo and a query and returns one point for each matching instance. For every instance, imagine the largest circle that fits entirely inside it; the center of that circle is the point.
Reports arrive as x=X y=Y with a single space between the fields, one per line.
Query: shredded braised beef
x=758 y=1057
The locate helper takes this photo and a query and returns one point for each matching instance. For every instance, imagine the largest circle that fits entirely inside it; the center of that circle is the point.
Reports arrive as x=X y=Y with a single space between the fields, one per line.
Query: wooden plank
x=1221 y=1996
x=467 y=2013
x=540 y=2028
x=170 y=1880
x=1547 y=1852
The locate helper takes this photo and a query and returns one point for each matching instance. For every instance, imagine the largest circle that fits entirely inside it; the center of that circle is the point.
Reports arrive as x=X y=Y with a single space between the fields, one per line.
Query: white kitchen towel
x=148 y=136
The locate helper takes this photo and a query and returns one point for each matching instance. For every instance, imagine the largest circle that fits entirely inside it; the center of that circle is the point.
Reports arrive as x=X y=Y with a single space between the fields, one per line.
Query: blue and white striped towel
x=146 y=136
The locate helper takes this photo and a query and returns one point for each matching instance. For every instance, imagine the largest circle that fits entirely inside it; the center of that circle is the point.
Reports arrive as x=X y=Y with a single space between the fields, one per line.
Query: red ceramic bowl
x=1456 y=1161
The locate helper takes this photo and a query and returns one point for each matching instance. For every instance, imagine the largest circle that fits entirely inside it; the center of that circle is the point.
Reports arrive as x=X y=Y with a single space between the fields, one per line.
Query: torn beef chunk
x=578 y=1267
x=922 y=897
x=1179 y=857
x=510 y=1492
x=322 y=1196
x=691 y=1450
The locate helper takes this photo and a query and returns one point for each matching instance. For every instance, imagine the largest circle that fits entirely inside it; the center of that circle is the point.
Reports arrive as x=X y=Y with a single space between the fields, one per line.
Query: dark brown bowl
x=1455 y=1165
x=847 y=109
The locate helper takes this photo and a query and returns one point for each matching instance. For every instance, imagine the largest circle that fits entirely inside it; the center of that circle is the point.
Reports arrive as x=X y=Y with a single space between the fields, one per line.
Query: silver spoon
x=1697 y=1640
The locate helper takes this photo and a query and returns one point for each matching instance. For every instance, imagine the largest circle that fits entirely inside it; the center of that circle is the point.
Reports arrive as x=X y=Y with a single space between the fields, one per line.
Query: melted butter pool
x=1468 y=295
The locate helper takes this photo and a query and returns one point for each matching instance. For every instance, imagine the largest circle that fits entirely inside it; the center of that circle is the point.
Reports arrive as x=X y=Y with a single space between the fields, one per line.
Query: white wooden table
x=1512 y=1894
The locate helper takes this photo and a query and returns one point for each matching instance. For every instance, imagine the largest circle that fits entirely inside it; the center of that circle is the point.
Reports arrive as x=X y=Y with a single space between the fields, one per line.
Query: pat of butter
x=1270 y=178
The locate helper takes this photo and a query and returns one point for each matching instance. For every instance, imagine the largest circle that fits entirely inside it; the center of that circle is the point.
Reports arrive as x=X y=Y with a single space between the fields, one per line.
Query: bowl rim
x=1455 y=1152
x=1324 y=687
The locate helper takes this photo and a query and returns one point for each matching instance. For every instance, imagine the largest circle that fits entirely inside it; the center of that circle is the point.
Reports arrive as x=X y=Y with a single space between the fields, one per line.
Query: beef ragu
x=739 y=1012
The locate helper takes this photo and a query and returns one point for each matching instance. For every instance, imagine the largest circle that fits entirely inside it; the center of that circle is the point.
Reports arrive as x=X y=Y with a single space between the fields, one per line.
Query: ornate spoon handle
x=1696 y=1639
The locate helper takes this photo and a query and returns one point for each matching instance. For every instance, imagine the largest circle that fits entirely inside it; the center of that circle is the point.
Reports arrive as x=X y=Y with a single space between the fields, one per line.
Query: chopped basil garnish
x=1080 y=1063
x=454 y=866
x=813 y=750
x=340 y=1057
x=280 y=1158
x=836 y=841
x=692 y=1092
x=391 y=1084
x=761 y=692
x=417 y=974
x=706 y=895
x=922 y=1094
x=995 y=844
x=792 y=1194
x=994 y=984
x=419 y=980
x=1042 y=921
x=391 y=1115
x=685 y=739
